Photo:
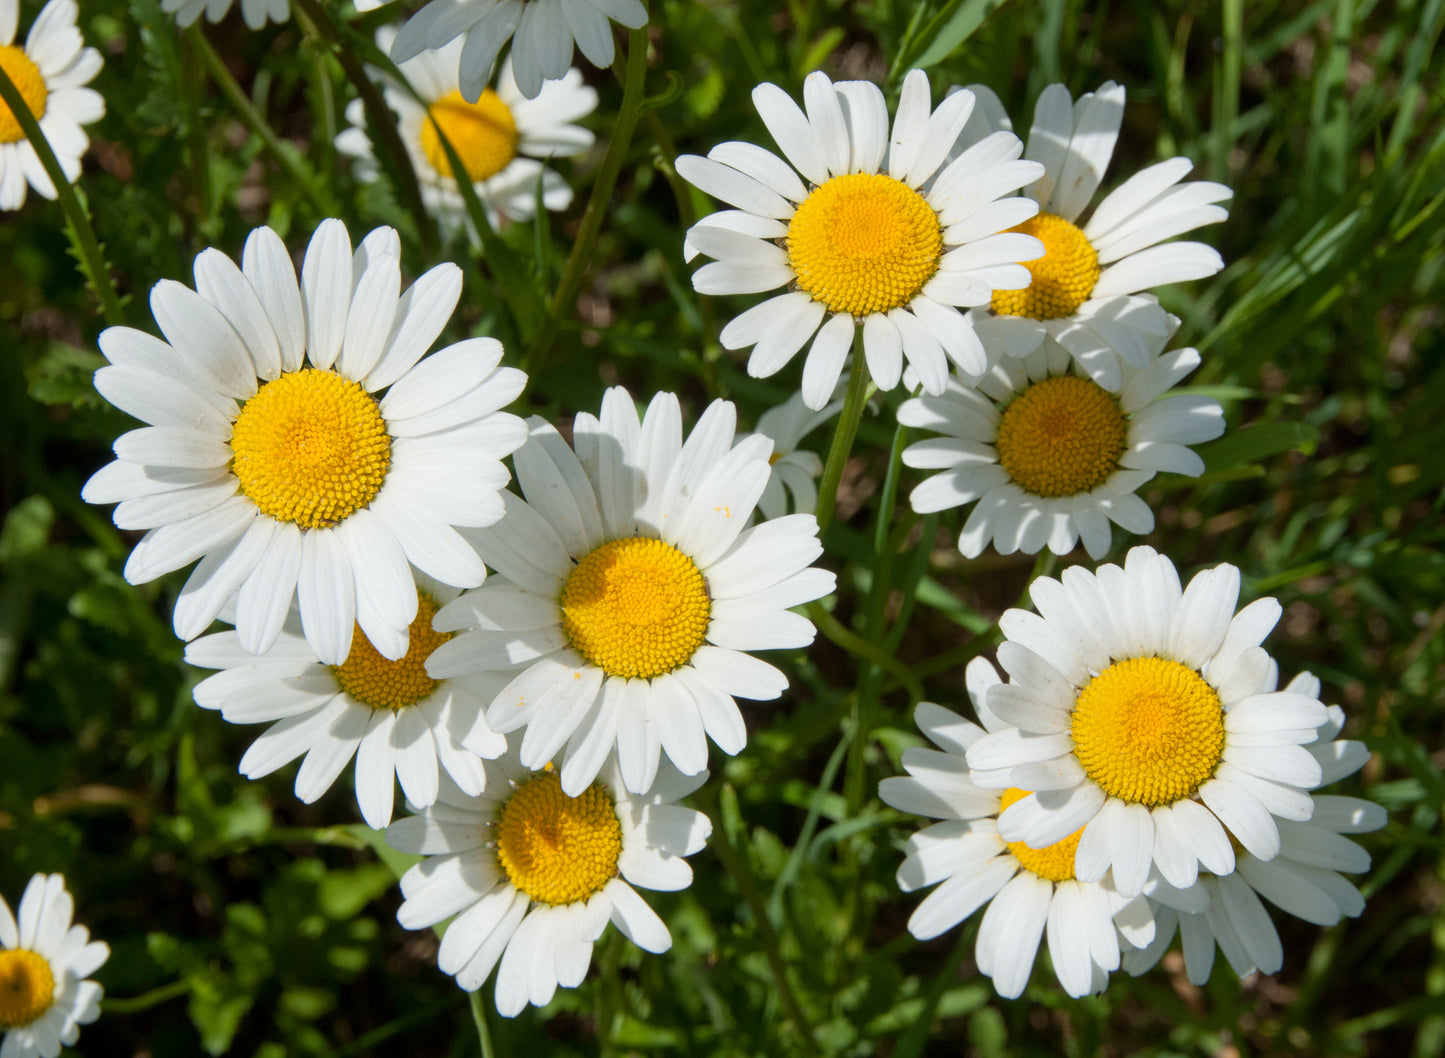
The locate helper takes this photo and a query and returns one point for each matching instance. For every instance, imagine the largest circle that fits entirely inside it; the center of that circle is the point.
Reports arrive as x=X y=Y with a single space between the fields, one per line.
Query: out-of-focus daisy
x=542 y=33
x=1050 y=456
x=1086 y=289
x=630 y=592
x=44 y=963
x=390 y=715
x=794 y=469
x=50 y=71
x=499 y=138
x=274 y=457
x=882 y=235
x=255 y=12
x=1147 y=715
x=533 y=875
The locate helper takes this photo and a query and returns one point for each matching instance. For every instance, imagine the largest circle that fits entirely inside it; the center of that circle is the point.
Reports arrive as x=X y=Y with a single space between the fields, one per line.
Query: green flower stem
x=92 y=258
x=913 y=1041
x=479 y=1019
x=836 y=632
x=843 y=434
x=146 y=1000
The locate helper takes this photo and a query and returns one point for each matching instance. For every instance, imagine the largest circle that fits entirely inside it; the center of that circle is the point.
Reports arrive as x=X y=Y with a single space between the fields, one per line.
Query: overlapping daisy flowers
x=540 y=654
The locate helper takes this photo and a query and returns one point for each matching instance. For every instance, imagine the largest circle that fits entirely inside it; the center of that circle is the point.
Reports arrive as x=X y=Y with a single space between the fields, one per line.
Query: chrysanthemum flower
x=542 y=33
x=51 y=72
x=1086 y=289
x=534 y=875
x=255 y=12
x=44 y=963
x=630 y=592
x=794 y=469
x=1050 y=456
x=398 y=722
x=499 y=138
x=1147 y=717
x=882 y=235
x=274 y=457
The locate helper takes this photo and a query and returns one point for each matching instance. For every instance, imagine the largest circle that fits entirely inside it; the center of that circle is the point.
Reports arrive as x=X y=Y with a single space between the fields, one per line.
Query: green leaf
x=1256 y=443
x=954 y=25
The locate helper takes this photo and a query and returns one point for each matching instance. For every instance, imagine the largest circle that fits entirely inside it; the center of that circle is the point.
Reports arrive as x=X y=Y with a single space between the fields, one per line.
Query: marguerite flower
x=275 y=457
x=44 y=963
x=542 y=33
x=882 y=235
x=794 y=469
x=50 y=72
x=631 y=591
x=499 y=138
x=1146 y=717
x=1050 y=456
x=398 y=722
x=1086 y=289
x=534 y=875
x=255 y=12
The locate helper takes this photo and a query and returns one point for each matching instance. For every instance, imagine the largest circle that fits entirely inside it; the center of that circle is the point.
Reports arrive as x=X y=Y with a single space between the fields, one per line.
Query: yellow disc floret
x=1055 y=862
x=27 y=987
x=384 y=684
x=636 y=607
x=1064 y=276
x=27 y=77
x=1148 y=730
x=1061 y=437
x=864 y=243
x=310 y=447
x=558 y=849
x=484 y=134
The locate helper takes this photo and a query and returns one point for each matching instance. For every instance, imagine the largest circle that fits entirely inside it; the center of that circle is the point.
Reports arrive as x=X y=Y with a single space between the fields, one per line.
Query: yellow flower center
x=1055 y=862
x=864 y=243
x=1061 y=437
x=1064 y=276
x=385 y=684
x=558 y=849
x=1148 y=730
x=310 y=447
x=27 y=987
x=26 y=75
x=636 y=607
x=484 y=134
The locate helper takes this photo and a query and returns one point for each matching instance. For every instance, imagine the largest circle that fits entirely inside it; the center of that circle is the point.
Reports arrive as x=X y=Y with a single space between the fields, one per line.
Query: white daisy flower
x=794 y=469
x=50 y=72
x=1086 y=289
x=542 y=33
x=44 y=963
x=274 y=457
x=255 y=12
x=1147 y=716
x=390 y=715
x=882 y=235
x=499 y=138
x=1049 y=456
x=534 y=875
x=631 y=592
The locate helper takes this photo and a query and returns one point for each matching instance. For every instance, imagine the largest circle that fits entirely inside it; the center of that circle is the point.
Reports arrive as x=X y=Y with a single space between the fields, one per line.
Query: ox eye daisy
x=1049 y=456
x=866 y=229
x=298 y=445
x=533 y=874
x=255 y=12
x=630 y=592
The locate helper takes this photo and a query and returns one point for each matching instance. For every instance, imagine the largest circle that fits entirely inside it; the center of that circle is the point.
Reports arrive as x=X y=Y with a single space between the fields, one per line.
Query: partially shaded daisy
x=794 y=469
x=1147 y=716
x=882 y=235
x=275 y=457
x=630 y=591
x=44 y=963
x=1050 y=456
x=533 y=875
x=255 y=12
x=1086 y=289
x=50 y=72
x=499 y=138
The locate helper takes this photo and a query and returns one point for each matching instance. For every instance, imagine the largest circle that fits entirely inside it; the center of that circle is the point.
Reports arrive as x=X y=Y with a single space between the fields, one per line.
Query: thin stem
x=154 y=998
x=92 y=259
x=479 y=1019
x=843 y=433
x=917 y=1035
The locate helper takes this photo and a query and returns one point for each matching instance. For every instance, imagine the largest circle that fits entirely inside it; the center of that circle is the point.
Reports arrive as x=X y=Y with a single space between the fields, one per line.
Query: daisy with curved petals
x=1087 y=287
x=1049 y=456
x=298 y=448
x=865 y=228
x=390 y=715
x=794 y=469
x=44 y=963
x=255 y=12
x=499 y=138
x=630 y=592
x=534 y=875
x=1146 y=716
x=50 y=71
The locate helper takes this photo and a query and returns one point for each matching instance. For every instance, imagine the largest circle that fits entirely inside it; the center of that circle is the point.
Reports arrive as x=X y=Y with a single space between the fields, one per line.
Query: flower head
x=255 y=12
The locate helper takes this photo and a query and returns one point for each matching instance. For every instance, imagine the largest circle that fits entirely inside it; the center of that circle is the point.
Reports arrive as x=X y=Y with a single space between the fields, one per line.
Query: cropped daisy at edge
x=255 y=12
